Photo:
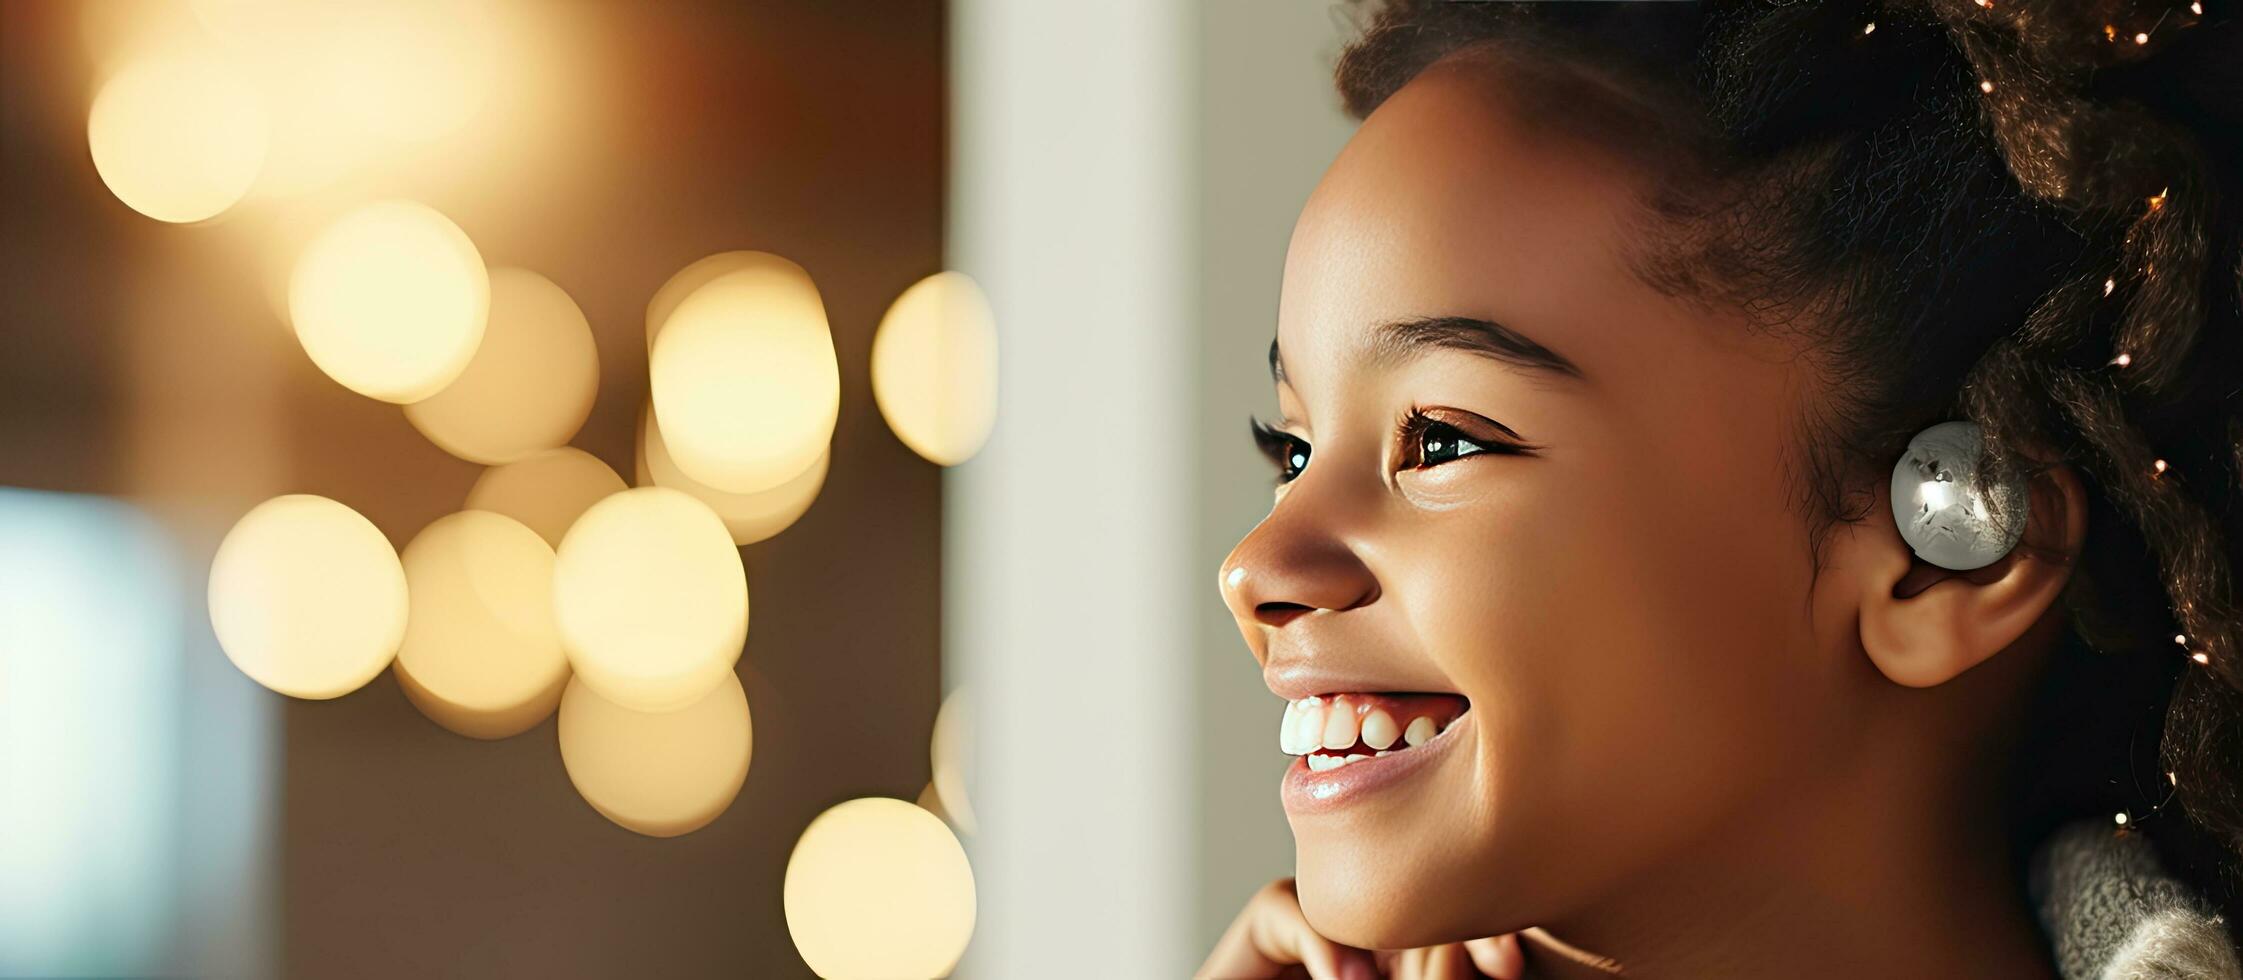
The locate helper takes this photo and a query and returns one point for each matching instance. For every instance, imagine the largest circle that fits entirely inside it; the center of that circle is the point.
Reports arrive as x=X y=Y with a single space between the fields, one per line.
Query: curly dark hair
x=2021 y=212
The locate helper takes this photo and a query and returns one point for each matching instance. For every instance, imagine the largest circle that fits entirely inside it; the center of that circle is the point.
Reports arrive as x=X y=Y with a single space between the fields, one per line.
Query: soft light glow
x=2181 y=638
x=1985 y=86
x=1870 y=27
x=934 y=368
x=178 y=137
x=529 y=386
x=2141 y=39
x=354 y=84
x=750 y=517
x=879 y=888
x=2158 y=465
x=481 y=656
x=307 y=597
x=651 y=599
x=390 y=301
x=744 y=378
x=2120 y=818
x=2201 y=657
x=658 y=773
x=2123 y=359
x=546 y=491
x=707 y=270
x=2108 y=285
x=952 y=753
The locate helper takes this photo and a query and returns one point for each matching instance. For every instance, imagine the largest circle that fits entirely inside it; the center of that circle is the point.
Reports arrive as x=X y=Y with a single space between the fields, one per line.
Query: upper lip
x=1294 y=677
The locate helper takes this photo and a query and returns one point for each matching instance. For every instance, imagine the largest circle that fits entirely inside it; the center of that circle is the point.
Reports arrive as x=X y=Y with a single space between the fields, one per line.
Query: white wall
x=1063 y=608
x=1124 y=177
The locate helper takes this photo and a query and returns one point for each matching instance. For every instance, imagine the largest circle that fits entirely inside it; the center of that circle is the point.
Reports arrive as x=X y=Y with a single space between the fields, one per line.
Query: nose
x=1290 y=565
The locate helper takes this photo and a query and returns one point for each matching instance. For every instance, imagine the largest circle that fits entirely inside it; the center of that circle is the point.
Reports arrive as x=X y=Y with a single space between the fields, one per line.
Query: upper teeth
x=1338 y=723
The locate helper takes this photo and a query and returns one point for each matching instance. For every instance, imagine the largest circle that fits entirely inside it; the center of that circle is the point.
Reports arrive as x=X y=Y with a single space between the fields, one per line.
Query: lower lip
x=1307 y=791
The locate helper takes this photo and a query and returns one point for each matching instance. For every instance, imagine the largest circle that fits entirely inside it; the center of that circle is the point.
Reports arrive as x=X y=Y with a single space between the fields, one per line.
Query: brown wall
x=141 y=360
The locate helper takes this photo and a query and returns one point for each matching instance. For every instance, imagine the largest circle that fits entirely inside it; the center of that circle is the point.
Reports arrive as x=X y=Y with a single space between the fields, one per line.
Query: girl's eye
x=1440 y=442
x=1286 y=451
x=1427 y=441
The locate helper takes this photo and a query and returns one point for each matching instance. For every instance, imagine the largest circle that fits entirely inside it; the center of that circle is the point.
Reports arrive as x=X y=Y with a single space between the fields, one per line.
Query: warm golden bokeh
x=934 y=368
x=879 y=888
x=651 y=599
x=481 y=656
x=546 y=491
x=951 y=750
x=745 y=380
x=751 y=517
x=178 y=136
x=658 y=773
x=710 y=268
x=353 y=83
x=155 y=374
x=390 y=300
x=531 y=383
x=307 y=597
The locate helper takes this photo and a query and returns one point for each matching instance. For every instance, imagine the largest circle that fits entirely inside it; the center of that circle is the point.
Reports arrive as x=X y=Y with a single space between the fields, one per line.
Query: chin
x=1390 y=897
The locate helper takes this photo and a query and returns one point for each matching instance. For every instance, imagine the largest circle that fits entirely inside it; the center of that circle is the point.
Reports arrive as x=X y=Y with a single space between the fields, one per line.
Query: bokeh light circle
x=934 y=368
x=546 y=491
x=750 y=517
x=745 y=380
x=178 y=136
x=879 y=888
x=481 y=655
x=706 y=270
x=390 y=300
x=951 y=751
x=658 y=773
x=307 y=597
x=530 y=384
x=651 y=599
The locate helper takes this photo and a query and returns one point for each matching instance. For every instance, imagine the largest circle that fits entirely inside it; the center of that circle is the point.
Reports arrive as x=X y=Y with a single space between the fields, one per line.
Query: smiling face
x=1604 y=569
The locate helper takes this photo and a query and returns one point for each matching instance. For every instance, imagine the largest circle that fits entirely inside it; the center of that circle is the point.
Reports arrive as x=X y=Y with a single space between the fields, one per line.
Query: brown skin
x=1686 y=755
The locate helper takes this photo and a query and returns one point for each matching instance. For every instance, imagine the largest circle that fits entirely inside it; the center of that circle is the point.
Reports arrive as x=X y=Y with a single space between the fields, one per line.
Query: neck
x=1847 y=876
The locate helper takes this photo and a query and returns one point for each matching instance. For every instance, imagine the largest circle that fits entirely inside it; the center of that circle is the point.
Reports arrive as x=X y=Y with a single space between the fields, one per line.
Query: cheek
x=1632 y=646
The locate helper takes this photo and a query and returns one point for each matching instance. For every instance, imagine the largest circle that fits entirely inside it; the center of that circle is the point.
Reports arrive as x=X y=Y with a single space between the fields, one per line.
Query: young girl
x=1633 y=610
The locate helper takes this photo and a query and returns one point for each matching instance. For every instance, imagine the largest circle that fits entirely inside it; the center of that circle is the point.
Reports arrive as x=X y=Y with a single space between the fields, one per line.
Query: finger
x=1449 y=962
x=1499 y=957
x=1284 y=936
x=1271 y=934
x=1406 y=964
x=1389 y=962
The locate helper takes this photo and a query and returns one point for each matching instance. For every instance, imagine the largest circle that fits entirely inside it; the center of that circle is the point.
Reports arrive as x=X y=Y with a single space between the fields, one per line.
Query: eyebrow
x=1399 y=340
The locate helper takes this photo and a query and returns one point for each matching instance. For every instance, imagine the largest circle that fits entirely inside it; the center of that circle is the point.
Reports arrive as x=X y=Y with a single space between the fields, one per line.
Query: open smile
x=1351 y=744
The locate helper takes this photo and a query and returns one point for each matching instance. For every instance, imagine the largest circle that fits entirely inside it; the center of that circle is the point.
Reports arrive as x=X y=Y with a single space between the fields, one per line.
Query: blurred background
x=1114 y=181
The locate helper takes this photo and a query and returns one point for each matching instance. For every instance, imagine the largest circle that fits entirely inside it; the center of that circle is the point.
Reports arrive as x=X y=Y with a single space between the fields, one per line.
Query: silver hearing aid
x=1949 y=512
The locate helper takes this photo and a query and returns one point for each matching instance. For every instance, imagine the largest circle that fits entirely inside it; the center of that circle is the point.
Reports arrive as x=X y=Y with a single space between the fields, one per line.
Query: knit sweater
x=2114 y=913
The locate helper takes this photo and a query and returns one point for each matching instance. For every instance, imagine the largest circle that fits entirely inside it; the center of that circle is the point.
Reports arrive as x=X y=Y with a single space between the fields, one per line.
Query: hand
x=1272 y=939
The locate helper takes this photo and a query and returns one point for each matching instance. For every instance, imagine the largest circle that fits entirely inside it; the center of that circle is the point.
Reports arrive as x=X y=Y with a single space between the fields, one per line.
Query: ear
x=1922 y=625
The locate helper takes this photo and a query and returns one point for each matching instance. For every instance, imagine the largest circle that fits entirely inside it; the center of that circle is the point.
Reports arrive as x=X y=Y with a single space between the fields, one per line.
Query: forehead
x=1447 y=202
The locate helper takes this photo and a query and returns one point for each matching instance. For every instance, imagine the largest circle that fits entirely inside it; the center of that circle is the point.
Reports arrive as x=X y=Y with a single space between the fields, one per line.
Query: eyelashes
x=1286 y=452
x=1426 y=442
